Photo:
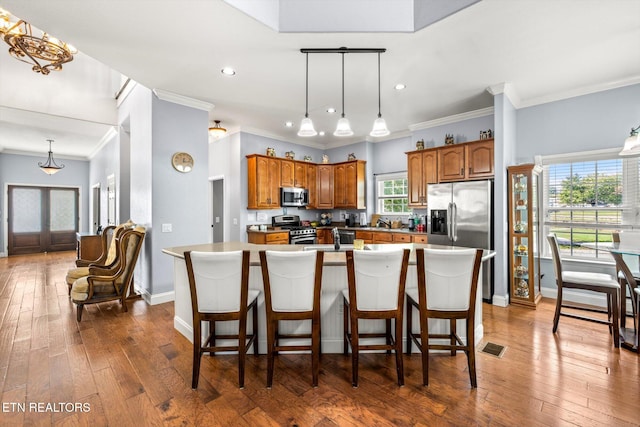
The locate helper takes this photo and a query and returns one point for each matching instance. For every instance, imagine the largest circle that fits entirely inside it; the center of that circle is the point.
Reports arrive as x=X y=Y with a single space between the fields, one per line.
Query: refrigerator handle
x=449 y=221
x=454 y=228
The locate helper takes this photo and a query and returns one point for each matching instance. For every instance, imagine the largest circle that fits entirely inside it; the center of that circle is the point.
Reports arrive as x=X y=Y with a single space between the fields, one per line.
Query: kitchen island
x=334 y=280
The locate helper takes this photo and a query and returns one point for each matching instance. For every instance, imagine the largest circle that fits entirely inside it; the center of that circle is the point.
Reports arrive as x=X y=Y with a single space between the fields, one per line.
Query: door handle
x=454 y=229
x=449 y=213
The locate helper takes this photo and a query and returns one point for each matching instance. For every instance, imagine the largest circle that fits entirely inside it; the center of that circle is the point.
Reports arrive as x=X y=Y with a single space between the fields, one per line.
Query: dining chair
x=376 y=284
x=292 y=285
x=447 y=289
x=594 y=282
x=219 y=286
x=633 y=264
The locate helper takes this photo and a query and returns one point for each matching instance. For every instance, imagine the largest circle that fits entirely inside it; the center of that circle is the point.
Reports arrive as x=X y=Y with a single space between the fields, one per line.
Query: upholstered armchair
x=104 y=285
x=107 y=260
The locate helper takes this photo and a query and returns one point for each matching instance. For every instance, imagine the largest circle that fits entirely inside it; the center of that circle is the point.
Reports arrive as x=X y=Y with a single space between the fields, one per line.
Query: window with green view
x=392 y=195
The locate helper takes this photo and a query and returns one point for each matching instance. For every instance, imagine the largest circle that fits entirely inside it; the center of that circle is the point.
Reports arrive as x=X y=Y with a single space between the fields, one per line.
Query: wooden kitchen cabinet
x=401 y=238
x=274 y=238
x=382 y=237
x=422 y=169
x=451 y=163
x=471 y=160
x=349 y=185
x=312 y=185
x=419 y=238
x=367 y=236
x=300 y=174
x=324 y=236
x=263 y=182
x=325 y=187
x=287 y=173
x=479 y=158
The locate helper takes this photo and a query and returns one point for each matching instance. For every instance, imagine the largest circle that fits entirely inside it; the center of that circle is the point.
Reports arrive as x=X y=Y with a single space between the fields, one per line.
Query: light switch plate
x=167 y=228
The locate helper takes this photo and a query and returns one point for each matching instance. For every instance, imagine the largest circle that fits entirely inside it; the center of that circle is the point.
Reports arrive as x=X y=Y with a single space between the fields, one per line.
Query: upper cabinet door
x=300 y=174
x=415 y=179
x=325 y=187
x=480 y=159
x=451 y=163
x=287 y=177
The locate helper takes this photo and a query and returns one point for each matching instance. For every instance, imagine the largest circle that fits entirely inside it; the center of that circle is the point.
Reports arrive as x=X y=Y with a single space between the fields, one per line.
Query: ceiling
x=544 y=49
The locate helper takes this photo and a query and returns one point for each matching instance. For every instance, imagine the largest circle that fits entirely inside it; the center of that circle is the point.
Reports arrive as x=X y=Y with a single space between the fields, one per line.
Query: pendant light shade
x=344 y=127
x=306 y=125
x=379 y=125
x=217 y=131
x=631 y=144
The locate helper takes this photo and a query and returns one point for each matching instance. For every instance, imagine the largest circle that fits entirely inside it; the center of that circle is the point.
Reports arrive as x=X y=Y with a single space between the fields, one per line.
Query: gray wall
x=179 y=199
x=20 y=169
x=103 y=164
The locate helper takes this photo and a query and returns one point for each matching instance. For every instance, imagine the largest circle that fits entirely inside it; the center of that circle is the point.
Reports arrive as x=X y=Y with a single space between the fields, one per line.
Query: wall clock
x=182 y=162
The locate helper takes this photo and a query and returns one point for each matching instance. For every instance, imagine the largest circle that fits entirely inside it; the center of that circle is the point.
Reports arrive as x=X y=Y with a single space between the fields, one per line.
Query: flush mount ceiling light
x=45 y=53
x=379 y=125
x=306 y=125
x=344 y=127
x=228 y=71
x=631 y=144
x=50 y=167
x=400 y=86
x=217 y=131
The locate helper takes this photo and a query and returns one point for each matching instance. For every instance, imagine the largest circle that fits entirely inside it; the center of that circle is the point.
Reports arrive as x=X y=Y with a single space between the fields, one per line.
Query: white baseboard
x=578 y=297
x=3 y=254
x=154 y=299
x=500 y=301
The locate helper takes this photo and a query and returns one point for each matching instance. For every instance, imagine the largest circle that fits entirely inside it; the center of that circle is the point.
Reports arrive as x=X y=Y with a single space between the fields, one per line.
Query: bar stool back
x=447 y=289
x=292 y=285
x=219 y=284
x=633 y=264
x=376 y=282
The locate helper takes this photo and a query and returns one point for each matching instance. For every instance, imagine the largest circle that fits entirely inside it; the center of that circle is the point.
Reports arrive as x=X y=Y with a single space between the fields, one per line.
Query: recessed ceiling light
x=331 y=110
x=288 y=124
x=321 y=133
x=228 y=71
x=400 y=86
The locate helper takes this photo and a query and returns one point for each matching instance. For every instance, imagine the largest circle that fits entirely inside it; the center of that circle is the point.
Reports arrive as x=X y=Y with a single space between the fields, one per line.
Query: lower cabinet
x=262 y=238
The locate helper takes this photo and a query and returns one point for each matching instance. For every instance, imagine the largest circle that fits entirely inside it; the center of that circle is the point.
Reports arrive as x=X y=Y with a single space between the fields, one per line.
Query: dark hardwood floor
x=132 y=369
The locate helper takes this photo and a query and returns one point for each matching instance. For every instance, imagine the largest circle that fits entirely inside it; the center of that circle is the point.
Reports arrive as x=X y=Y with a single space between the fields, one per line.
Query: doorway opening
x=217 y=210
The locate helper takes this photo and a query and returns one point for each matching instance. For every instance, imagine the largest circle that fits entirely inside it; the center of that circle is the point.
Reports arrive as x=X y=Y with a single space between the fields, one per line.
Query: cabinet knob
x=461 y=171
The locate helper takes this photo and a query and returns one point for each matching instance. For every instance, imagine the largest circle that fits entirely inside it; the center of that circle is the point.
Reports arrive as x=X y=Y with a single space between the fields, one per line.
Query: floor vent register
x=492 y=349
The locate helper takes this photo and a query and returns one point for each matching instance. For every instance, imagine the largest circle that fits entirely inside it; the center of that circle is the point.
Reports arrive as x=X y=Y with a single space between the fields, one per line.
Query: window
x=392 y=194
x=586 y=198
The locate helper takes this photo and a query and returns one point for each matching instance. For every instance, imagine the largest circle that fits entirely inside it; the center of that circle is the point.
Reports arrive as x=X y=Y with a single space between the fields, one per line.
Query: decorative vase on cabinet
x=524 y=234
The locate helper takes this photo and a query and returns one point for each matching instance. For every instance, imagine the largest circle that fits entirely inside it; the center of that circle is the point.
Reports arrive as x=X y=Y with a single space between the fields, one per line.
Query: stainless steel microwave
x=293 y=196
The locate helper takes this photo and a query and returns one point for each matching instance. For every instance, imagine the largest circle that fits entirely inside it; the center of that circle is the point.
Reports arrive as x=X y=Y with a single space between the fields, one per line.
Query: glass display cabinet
x=524 y=234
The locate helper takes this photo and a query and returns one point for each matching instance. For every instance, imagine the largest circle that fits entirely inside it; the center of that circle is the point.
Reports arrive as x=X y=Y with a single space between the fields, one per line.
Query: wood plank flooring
x=132 y=369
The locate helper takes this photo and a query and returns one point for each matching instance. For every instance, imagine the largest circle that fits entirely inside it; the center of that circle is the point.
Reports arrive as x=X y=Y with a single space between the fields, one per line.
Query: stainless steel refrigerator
x=461 y=214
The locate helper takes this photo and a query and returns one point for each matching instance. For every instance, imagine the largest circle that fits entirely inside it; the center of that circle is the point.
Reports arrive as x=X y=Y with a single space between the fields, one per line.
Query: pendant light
x=50 y=167
x=631 y=144
x=379 y=125
x=306 y=125
x=343 y=128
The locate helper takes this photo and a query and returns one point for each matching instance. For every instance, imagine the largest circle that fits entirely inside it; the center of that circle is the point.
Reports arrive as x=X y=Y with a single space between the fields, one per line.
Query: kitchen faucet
x=336 y=238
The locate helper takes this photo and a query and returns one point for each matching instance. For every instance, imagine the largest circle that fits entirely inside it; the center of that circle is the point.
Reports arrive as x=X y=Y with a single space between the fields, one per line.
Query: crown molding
x=183 y=100
x=393 y=135
x=109 y=134
x=584 y=90
x=43 y=155
x=263 y=133
x=452 y=119
x=508 y=90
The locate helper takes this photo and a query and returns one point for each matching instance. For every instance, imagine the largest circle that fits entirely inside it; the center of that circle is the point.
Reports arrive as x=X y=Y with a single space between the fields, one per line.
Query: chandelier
x=50 y=166
x=343 y=127
x=45 y=53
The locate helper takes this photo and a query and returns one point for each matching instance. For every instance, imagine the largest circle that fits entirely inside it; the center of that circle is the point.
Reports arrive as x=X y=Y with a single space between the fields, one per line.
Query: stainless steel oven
x=298 y=234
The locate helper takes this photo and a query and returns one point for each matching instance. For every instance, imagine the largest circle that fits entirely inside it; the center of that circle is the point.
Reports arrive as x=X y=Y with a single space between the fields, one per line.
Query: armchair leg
x=79 y=312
